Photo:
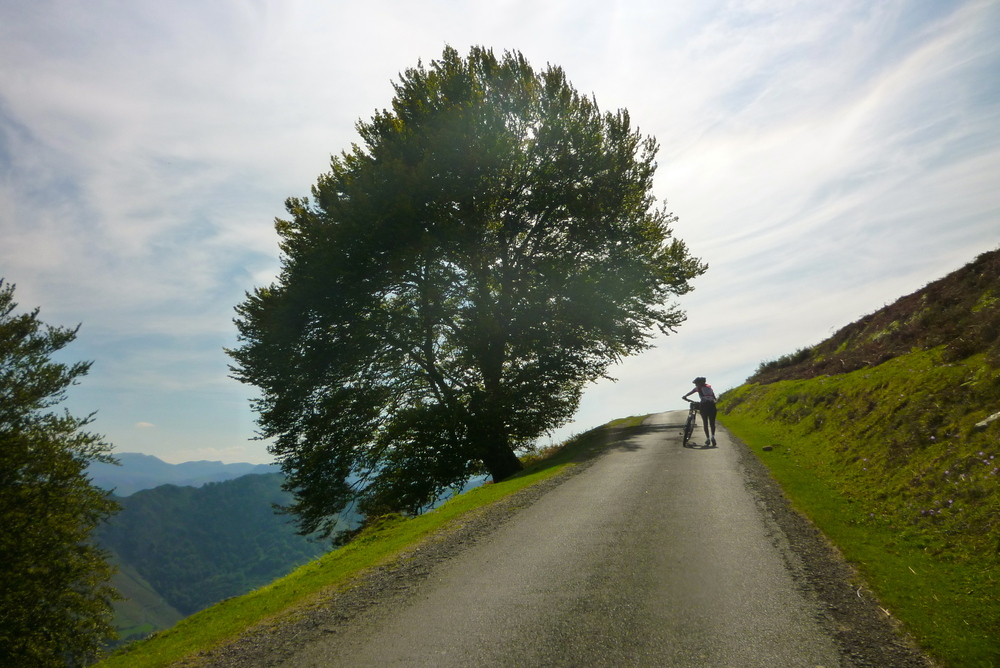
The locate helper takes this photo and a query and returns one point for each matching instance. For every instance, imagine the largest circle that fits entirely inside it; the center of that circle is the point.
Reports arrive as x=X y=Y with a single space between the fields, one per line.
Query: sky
x=824 y=159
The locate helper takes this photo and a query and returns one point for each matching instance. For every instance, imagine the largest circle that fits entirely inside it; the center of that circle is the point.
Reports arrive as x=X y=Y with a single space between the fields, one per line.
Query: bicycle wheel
x=689 y=428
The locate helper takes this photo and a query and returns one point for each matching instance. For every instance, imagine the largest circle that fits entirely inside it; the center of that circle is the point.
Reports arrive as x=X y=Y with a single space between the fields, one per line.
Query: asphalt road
x=656 y=555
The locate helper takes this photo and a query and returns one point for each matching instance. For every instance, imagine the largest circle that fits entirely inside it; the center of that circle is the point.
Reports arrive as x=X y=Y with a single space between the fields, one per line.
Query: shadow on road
x=627 y=438
x=629 y=442
x=588 y=445
x=701 y=446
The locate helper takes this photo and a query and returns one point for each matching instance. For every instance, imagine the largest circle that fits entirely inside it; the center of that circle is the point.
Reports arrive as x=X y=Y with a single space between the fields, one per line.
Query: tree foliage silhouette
x=453 y=284
x=55 y=600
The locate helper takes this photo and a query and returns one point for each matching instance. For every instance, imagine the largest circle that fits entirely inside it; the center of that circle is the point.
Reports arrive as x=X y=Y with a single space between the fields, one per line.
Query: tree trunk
x=488 y=434
x=489 y=407
x=500 y=460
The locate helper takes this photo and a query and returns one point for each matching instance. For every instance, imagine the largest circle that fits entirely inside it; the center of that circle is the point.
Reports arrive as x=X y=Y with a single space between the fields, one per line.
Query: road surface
x=655 y=555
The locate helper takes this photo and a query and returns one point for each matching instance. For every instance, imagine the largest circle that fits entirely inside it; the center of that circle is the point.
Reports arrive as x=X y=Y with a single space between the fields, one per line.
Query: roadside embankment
x=889 y=462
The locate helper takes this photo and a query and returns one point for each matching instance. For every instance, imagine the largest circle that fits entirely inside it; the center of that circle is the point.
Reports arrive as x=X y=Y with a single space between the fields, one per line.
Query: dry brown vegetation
x=960 y=311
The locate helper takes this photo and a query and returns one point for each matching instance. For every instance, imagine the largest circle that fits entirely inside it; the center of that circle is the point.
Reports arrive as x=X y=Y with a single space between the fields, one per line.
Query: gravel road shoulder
x=866 y=636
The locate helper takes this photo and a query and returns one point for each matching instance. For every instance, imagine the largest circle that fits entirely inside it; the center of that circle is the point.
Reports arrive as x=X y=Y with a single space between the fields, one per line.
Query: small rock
x=986 y=423
x=768 y=448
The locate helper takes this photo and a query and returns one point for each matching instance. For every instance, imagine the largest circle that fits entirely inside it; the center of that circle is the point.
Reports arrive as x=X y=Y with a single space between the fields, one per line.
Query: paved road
x=656 y=555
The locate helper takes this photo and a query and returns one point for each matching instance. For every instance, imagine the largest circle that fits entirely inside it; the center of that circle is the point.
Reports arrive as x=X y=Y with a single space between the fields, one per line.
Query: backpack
x=706 y=393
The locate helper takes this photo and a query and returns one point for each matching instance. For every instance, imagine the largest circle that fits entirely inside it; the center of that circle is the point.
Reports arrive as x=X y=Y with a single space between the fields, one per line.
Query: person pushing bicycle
x=706 y=398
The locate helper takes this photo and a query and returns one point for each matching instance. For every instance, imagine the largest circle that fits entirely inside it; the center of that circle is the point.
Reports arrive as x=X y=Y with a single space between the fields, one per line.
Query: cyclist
x=706 y=396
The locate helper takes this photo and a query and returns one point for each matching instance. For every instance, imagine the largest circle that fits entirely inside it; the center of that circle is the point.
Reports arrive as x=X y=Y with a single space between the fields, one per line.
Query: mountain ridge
x=137 y=471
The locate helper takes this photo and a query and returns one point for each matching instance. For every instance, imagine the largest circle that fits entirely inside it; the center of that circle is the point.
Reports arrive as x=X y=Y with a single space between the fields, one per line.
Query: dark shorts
x=707 y=409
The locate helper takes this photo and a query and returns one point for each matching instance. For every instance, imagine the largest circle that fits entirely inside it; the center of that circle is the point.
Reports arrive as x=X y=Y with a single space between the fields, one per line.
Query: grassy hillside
x=959 y=313
x=886 y=456
x=143 y=611
x=135 y=472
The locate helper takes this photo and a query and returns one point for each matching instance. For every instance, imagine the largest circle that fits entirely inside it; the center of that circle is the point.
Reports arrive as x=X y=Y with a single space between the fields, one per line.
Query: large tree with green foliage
x=55 y=600
x=454 y=283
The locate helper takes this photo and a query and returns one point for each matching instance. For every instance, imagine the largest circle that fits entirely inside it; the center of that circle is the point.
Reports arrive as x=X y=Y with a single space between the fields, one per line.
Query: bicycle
x=691 y=421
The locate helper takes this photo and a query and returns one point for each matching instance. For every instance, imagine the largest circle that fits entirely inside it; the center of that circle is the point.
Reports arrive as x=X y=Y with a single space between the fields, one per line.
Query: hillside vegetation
x=878 y=435
x=959 y=313
x=197 y=546
x=142 y=611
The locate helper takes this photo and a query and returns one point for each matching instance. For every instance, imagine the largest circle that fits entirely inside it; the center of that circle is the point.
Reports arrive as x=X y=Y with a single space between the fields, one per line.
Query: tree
x=55 y=601
x=453 y=284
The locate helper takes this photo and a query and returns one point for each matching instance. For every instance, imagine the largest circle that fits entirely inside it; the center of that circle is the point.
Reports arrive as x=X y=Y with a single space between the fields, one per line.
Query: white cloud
x=823 y=158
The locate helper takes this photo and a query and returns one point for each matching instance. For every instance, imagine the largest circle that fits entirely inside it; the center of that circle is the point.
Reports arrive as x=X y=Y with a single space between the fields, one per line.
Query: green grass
x=887 y=464
x=137 y=631
x=377 y=544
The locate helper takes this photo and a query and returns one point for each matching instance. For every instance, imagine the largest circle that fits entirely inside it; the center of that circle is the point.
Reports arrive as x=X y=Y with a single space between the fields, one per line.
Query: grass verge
x=899 y=480
x=378 y=544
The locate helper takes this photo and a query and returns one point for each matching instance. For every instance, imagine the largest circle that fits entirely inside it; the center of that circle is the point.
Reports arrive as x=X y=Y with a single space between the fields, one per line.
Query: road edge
x=866 y=635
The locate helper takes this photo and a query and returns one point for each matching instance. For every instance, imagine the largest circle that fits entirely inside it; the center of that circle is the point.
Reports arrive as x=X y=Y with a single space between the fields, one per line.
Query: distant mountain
x=138 y=472
x=197 y=546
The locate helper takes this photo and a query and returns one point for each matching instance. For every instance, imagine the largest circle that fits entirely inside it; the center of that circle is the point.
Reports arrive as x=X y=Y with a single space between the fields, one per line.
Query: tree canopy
x=453 y=284
x=55 y=600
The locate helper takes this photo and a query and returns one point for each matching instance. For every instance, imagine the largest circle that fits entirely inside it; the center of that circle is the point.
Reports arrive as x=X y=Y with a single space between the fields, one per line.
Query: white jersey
x=706 y=393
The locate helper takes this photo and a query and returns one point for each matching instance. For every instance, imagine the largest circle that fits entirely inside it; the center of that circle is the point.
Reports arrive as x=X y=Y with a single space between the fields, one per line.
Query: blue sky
x=824 y=159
